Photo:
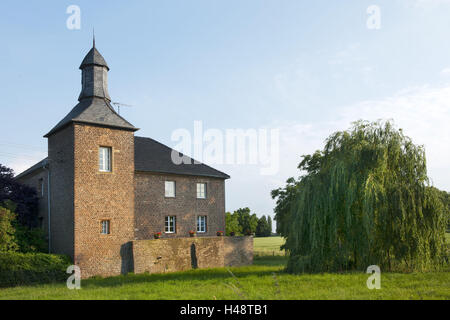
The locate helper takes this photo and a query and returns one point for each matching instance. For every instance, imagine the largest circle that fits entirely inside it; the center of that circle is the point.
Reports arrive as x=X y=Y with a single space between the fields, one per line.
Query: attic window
x=104 y=159
x=169 y=189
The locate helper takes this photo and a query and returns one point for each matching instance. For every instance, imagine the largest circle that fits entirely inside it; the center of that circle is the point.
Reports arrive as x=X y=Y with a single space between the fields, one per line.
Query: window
x=201 y=224
x=201 y=190
x=170 y=224
x=170 y=189
x=104 y=159
x=105 y=227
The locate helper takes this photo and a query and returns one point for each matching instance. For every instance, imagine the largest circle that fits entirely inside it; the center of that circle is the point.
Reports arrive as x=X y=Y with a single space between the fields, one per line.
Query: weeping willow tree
x=364 y=199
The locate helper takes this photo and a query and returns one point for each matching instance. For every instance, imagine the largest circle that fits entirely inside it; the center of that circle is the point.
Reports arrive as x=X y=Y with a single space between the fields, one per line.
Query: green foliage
x=242 y=222
x=363 y=200
x=29 y=268
x=17 y=237
x=445 y=198
x=8 y=241
x=247 y=221
x=30 y=239
x=23 y=197
x=232 y=224
x=262 y=228
x=284 y=205
x=269 y=222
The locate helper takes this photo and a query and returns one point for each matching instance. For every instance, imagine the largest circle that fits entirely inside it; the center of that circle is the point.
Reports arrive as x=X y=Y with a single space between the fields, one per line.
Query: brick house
x=102 y=187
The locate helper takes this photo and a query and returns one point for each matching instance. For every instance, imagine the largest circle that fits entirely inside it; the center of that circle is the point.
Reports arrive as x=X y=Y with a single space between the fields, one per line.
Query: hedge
x=32 y=268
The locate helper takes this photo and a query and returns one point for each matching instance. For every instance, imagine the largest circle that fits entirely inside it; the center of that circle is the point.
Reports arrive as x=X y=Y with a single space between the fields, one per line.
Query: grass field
x=268 y=246
x=263 y=280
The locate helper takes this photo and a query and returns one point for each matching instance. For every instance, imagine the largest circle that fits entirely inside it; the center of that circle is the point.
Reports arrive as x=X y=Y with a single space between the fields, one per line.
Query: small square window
x=201 y=190
x=201 y=224
x=170 y=189
x=104 y=159
x=105 y=227
x=170 y=224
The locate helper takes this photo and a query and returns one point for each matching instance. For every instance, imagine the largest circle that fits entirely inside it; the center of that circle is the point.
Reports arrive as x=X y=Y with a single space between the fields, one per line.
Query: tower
x=91 y=163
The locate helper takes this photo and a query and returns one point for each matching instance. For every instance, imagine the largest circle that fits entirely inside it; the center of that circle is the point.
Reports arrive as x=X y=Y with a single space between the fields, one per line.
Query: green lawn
x=263 y=280
x=268 y=246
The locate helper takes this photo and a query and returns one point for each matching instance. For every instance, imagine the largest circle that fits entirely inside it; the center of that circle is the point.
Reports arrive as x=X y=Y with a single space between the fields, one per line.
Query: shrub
x=17 y=237
x=8 y=240
x=30 y=239
x=31 y=268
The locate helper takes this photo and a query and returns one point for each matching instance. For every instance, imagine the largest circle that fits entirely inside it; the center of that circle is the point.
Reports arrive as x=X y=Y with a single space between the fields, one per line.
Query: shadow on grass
x=270 y=261
x=263 y=266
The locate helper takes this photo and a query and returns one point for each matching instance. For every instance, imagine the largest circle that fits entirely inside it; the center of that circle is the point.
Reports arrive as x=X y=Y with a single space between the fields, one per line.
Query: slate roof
x=35 y=167
x=94 y=111
x=93 y=57
x=153 y=156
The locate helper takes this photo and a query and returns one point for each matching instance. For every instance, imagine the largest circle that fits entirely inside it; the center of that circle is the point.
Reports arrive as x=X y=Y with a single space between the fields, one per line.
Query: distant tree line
x=242 y=222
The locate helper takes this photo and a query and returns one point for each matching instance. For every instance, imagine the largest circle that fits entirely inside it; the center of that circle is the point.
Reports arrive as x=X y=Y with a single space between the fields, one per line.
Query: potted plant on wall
x=219 y=233
x=157 y=235
x=192 y=233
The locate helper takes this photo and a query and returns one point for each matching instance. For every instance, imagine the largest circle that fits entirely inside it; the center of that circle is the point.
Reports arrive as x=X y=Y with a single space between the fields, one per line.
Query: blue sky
x=307 y=68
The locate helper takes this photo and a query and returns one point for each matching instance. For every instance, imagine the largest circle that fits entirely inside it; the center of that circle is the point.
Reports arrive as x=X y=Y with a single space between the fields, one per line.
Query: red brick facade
x=102 y=196
x=152 y=206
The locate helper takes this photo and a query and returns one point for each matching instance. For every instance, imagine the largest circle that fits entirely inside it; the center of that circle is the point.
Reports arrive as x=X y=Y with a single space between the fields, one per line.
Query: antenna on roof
x=118 y=105
x=93 y=37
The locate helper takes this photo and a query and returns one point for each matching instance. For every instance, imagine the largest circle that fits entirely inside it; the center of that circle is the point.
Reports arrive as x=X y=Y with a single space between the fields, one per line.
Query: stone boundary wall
x=178 y=254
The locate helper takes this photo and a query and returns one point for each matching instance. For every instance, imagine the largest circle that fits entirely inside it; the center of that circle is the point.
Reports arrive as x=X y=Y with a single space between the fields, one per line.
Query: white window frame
x=201 y=224
x=106 y=227
x=170 y=189
x=170 y=224
x=201 y=194
x=105 y=159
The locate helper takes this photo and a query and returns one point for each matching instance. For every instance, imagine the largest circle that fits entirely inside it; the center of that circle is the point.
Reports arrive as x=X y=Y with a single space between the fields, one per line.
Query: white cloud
x=20 y=164
x=445 y=72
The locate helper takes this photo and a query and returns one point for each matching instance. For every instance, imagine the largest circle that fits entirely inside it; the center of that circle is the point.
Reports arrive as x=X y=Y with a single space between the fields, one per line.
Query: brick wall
x=238 y=251
x=178 y=254
x=152 y=206
x=103 y=196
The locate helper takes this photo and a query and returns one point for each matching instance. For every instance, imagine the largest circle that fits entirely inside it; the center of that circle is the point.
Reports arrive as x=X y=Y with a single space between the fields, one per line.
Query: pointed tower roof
x=94 y=107
x=93 y=58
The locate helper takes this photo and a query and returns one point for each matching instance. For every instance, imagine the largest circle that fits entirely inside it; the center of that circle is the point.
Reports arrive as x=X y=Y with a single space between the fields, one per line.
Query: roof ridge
x=195 y=161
